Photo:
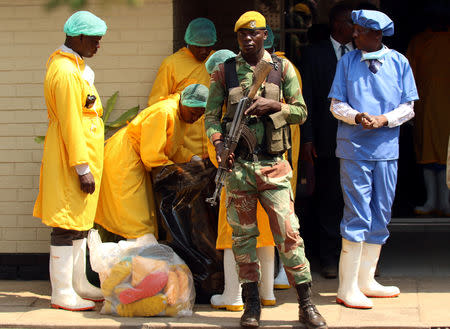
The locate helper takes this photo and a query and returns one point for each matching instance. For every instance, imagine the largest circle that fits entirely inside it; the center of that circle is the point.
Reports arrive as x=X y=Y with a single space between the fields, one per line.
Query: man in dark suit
x=318 y=134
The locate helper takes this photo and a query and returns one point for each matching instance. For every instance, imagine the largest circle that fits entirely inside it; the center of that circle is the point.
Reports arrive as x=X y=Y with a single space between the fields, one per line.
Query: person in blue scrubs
x=373 y=93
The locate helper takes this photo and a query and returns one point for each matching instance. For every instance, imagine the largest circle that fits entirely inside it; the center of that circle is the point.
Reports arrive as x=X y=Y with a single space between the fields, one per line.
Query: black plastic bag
x=188 y=224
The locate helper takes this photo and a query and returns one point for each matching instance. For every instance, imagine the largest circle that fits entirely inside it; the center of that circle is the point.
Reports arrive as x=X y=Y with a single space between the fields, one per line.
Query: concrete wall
x=137 y=40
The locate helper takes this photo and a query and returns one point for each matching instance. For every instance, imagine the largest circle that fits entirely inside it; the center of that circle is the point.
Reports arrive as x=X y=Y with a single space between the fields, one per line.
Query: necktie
x=372 y=66
x=343 y=50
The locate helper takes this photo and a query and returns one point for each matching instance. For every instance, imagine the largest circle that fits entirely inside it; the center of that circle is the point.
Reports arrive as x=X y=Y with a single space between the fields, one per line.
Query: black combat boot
x=308 y=313
x=252 y=306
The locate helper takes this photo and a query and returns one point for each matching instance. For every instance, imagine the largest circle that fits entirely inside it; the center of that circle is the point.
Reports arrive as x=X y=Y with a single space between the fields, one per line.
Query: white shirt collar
x=337 y=49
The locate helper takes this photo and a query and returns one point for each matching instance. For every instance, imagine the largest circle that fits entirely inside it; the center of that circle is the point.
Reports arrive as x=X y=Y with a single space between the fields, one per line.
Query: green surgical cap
x=201 y=32
x=268 y=43
x=194 y=95
x=86 y=23
x=218 y=57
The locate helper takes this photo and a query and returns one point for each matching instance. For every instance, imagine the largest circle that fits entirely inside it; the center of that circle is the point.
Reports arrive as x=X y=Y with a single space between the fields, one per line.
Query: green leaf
x=39 y=139
x=52 y=4
x=77 y=4
x=135 y=2
x=124 y=118
x=107 y=129
x=110 y=106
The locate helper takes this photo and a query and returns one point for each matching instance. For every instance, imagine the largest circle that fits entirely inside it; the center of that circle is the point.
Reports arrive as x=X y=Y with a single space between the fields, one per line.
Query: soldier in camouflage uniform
x=265 y=174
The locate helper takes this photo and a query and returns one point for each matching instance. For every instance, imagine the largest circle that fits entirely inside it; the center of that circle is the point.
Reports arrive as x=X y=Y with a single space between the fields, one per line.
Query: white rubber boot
x=63 y=294
x=348 y=292
x=266 y=257
x=443 y=194
x=430 y=205
x=366 y=281
x=231 y=298
x=281 y=281
x=81 y=285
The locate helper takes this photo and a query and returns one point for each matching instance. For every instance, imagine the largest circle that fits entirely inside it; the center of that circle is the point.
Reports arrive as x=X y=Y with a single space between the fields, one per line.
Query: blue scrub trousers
x=368 y=188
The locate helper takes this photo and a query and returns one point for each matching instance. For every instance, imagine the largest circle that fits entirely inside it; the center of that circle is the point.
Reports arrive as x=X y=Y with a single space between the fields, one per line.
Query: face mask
x=376 y=54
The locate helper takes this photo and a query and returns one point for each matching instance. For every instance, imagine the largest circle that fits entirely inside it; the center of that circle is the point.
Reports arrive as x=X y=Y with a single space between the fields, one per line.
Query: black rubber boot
x=308 y=313
x=252 y=305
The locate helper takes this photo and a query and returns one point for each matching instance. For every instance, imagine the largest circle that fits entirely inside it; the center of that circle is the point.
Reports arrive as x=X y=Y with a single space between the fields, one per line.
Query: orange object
x=183 y=281
x=118 y=273
x=143 y=266
x=172 y=289
x=149 y=286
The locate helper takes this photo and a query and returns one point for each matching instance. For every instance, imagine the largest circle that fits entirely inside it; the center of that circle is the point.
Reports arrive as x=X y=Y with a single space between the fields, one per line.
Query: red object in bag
x=148 y=287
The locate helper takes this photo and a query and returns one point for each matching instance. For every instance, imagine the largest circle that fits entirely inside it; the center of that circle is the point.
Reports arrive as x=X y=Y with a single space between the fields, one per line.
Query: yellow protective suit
x=295 y=134
x=154 y=138
x=297 y=73
x=75 y=136
x=428 y=56
x=176 y=73
x=265 y=237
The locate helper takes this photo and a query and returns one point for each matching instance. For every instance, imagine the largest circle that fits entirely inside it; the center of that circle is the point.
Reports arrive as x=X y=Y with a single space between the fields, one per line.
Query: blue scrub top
x=375 y=94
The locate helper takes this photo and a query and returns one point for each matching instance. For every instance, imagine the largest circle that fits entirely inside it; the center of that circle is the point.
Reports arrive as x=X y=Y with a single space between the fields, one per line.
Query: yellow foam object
x=183 y=281
x=172 y=289
x=149 y=306
x=119 y=289
x=118 y=273
x=107 y=307
x=143 y=266
x=173 y=310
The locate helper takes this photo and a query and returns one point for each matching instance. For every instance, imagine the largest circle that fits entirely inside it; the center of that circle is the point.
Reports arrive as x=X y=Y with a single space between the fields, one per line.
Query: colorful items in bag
x=149 y=306
x=143 y=278
x=183 y=282
x=144 y=286
x=172 y=289
x=118 y=273
x=148 y=287
x=142 y=266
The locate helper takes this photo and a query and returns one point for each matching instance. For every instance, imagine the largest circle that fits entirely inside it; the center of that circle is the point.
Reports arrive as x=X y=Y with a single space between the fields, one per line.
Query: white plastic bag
x=141 y=277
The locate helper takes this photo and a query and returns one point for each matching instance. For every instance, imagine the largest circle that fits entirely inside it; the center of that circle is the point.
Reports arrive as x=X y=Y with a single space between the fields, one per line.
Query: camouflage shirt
x=294 y=113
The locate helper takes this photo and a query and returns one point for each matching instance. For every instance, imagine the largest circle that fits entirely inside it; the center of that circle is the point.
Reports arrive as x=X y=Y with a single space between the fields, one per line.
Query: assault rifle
x=239 y=128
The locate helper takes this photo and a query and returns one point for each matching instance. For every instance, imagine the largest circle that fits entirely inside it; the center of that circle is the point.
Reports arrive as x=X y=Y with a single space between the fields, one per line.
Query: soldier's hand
x=87 y=183
x=262 y=106
x=221 y=154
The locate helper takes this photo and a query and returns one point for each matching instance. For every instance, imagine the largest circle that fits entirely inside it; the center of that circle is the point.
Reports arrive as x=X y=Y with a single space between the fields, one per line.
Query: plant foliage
x=79 y=4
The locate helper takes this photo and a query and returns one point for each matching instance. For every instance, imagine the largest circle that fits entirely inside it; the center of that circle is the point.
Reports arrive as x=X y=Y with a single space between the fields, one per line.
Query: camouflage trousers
x=268 y=182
